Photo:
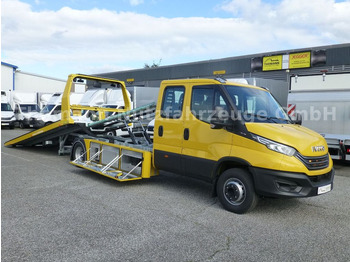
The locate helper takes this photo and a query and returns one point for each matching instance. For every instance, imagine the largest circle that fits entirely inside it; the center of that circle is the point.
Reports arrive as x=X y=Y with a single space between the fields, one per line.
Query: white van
x=52 y=111
x=91 y=98
x=25 y=106
x=113 y=99
x=7 y=115
x=105 y=98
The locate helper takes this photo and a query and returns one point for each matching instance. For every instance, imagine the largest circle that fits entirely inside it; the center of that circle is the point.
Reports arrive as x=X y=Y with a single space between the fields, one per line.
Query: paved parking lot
x=53 y=211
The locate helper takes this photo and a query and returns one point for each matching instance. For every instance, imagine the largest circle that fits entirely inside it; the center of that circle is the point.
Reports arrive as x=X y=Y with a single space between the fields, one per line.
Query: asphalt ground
x=54 y=211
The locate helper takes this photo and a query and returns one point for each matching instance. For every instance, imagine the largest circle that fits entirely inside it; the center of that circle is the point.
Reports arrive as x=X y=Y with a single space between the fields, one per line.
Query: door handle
x=160 y=131
x=186 y=133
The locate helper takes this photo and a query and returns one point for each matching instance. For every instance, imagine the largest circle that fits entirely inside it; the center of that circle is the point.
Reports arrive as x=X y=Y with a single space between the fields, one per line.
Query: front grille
x=321 y=178
x=6 y=118
x=314 y=163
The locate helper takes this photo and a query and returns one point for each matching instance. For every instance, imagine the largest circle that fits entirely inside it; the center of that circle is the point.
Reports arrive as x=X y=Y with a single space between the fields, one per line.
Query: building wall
x=337 y=60
x=6 y=78
x=27 y=82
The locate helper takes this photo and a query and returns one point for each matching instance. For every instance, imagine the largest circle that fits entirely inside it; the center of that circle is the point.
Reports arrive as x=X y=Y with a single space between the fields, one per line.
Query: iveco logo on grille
x=317 y=148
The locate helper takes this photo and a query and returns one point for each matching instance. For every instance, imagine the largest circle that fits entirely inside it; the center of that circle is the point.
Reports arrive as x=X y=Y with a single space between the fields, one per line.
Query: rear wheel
x=236 y=192
x=78 y=150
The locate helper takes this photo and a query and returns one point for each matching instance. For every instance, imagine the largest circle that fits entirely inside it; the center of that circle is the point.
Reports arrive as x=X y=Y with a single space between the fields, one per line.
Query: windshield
x=29 y=108
x=5 y=107
x=256 y=105
x=47 y=109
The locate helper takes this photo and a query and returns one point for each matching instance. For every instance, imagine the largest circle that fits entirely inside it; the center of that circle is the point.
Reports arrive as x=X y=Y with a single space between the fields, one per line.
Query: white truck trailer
x=323 y=101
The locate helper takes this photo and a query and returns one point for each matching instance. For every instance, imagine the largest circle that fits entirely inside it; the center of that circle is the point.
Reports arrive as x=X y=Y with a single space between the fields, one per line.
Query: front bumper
x=36 y=123
x=9 y=123
x=287 y=184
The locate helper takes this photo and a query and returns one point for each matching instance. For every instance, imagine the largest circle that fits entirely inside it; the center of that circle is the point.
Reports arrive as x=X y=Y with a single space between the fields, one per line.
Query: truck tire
x=236 y=192
x=78 y=150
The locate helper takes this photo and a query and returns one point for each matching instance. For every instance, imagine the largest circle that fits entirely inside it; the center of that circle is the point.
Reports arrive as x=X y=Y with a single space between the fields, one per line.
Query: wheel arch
x=228 y=163
x=77 y=140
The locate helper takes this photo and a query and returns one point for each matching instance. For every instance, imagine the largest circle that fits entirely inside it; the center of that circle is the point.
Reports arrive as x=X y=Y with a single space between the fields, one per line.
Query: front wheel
x=235 y=191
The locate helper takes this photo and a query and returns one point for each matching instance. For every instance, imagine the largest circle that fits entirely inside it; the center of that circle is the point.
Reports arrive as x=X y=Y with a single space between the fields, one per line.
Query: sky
x=58 y=37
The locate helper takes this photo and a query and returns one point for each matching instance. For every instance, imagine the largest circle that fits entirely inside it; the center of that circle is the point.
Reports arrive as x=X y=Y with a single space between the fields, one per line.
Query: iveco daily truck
x=232 y=135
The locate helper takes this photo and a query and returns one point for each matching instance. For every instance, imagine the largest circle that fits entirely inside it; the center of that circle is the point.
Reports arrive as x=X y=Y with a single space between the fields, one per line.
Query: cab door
x=168 y=129
x=203 y=146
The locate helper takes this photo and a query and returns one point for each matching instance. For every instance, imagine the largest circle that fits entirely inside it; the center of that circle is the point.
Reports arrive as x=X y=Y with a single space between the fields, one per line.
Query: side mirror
x=220 y=123
x=298 y=119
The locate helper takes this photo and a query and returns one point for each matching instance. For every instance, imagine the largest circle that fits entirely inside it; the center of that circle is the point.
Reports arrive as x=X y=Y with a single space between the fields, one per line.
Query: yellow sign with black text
x=272 y=63
x=219 y=72
x=300 y=60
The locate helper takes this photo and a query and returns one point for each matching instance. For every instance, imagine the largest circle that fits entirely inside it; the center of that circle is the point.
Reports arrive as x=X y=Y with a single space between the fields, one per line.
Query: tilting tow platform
x=65 y=130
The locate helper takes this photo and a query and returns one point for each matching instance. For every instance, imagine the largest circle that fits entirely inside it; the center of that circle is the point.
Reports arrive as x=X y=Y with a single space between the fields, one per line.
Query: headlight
x=272 y=145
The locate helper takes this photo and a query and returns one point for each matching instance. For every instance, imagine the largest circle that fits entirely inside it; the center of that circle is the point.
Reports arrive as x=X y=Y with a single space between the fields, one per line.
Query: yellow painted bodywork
x=66 y=107
x=216 y=144
x=115 y=173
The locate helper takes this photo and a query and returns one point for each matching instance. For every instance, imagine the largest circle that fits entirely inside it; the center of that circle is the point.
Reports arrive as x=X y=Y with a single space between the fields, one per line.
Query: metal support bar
x=91 y=158
x=126 y=175
x=145 y=135
x=75 y=160
x=131 y=134
x=103 y=170
x=62 y=140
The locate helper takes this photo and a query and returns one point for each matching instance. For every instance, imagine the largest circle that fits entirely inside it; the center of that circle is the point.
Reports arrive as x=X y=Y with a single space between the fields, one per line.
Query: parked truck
x=234 y=136
x=323 y=101
x=7 y=116
x=25 y=106
x=51 y=112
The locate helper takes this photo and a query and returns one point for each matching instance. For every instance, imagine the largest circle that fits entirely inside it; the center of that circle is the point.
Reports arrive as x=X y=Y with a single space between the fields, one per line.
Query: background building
x=12 y=79
x=272 y=69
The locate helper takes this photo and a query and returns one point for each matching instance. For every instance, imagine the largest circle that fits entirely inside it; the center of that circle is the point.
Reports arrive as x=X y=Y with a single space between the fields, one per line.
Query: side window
x=206 y=101
x=57 y=110
x=173 y=98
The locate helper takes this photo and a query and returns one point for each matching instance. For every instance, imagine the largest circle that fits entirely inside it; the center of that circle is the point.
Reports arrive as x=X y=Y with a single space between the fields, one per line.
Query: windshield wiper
x=280 y=119
x=269 y=118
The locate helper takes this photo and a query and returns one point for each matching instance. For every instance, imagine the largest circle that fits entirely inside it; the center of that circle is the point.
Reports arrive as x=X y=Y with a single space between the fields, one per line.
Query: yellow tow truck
x=232 y=135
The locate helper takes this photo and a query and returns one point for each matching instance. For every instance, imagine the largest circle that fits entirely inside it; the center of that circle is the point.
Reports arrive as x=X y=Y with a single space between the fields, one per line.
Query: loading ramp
x=61 y=130
x=45 y=135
